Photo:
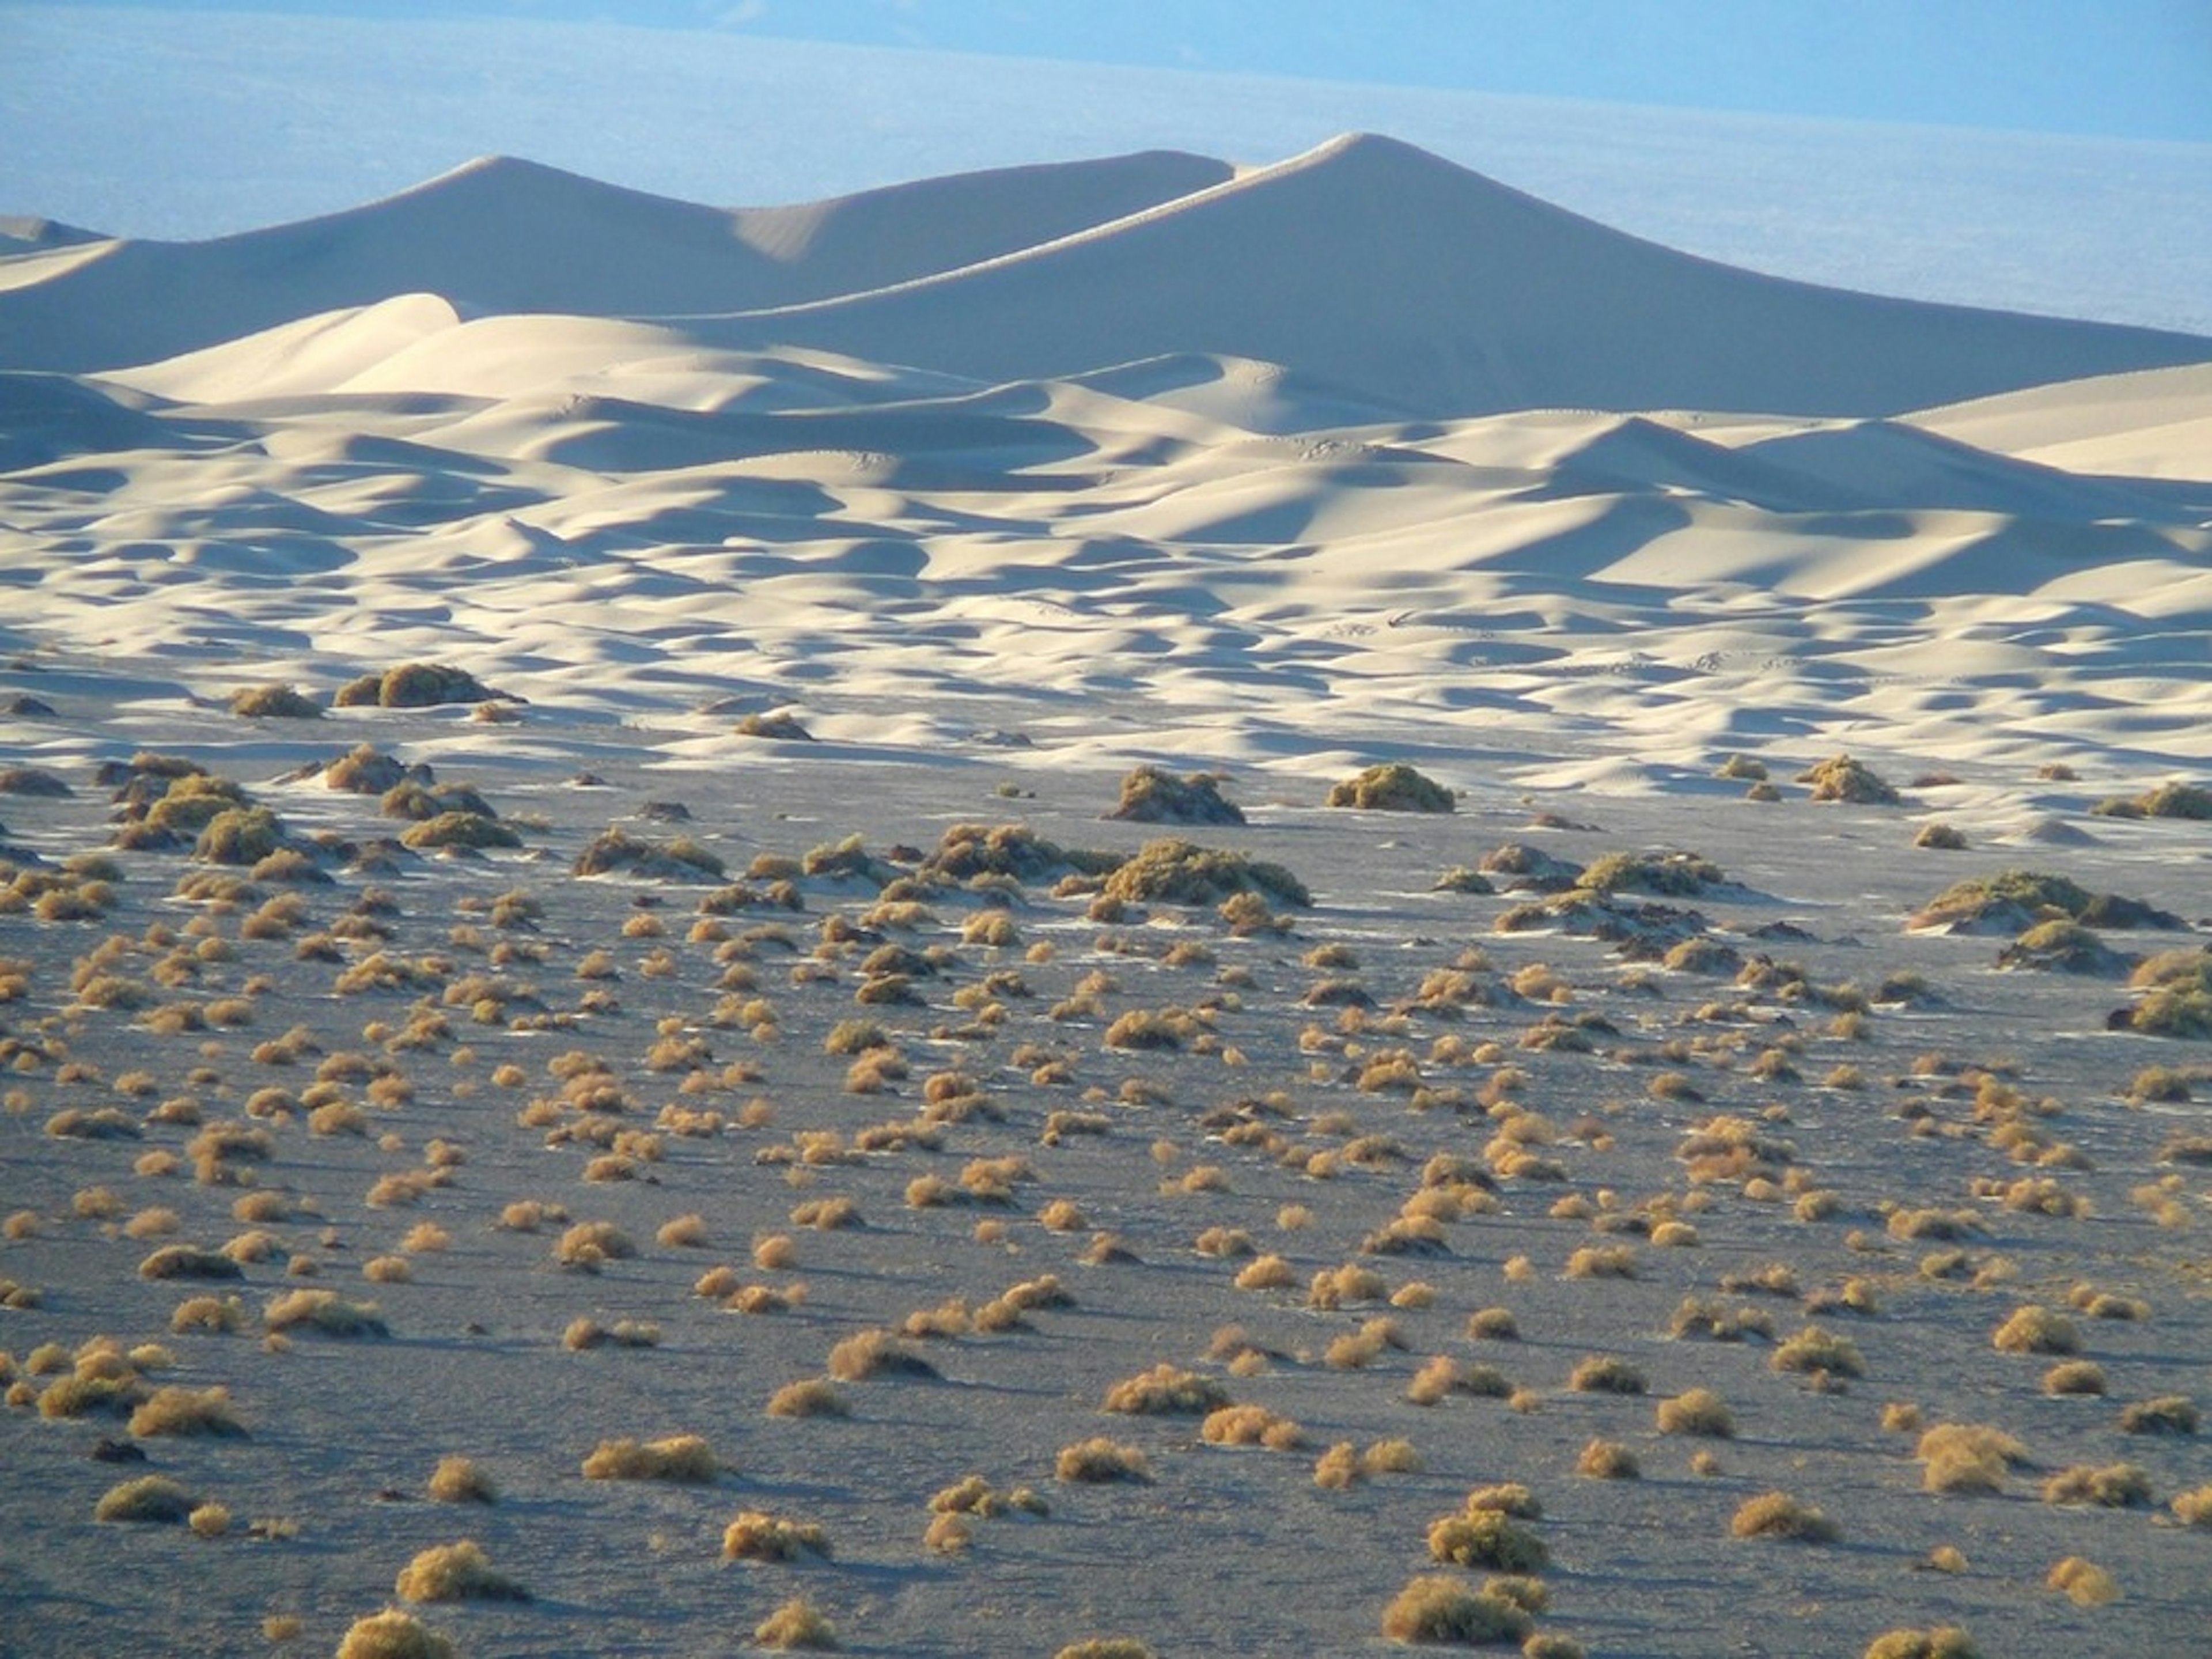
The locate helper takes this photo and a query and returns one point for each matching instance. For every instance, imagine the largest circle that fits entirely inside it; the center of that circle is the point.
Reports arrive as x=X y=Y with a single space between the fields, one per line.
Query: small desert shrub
x=459 y=1480
x=1777 y=1514
x=1487 y=1537
x=589 y=1244
x=875 y=1353
x=1602 y=1262
x=1607 y=1460
x=1842 y=778
x=414 y=685
x=2106 y=1485
x=456 y=1572
x=1493 y=1325
x=1817 y=1353
x=685 y=1458
x=187 y=1261
x=153 y=1497
x=1966 y=1458
x=324 y=1311
x=1098 y=1460
x=811 y=1397
x=1166 y=1391
x=2085 y=1583
x=2194 y=1509
x=1151 y=795
x=393 y=1634
x=1943 y=1642
x=2075 y=1376
x=1604 y=1374
x=1251 y=1425
x=2034 y=1329
x=798 y=1624
x=208 y=1313
x=2167 y=1413
x=1390 y=788
x=1106 y=1647
x=1435 y=1608
x=755 y=1536
x=186 y=1411
x=1697 y=1412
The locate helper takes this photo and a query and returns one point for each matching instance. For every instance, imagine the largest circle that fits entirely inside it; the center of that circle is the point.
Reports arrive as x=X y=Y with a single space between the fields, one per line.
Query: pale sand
x=1050 y=472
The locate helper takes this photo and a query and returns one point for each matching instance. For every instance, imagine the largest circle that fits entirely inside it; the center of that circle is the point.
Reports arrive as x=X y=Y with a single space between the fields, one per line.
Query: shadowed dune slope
x=1401 y=278
x=505 y=235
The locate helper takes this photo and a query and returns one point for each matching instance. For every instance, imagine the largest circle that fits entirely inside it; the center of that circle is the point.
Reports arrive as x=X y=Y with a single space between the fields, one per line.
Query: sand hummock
x=587 y=965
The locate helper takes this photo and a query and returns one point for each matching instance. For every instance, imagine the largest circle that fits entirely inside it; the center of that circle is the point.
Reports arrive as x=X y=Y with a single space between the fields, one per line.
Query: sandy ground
x=982 y=596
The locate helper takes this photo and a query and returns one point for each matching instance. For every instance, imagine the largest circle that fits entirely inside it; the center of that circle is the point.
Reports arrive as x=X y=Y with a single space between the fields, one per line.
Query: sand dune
x=1397 y=276
x=505 y=235
x=1143 y=454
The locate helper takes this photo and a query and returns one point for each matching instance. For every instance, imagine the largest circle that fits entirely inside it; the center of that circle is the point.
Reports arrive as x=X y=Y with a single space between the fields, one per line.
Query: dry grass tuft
x=1166 y=1391
x=1942 y=1642
x=1435 y=1608
x=2035 y=1329
x=150 y=1498
x=1608 y=1460
x=684 y=1458
x=1487 y=1537
x=2106 y=1485
x=1967 y=1458
x=1697 y=1412
x=798 y=1624
x=755 y=1535
x=1106 y=1647
x=456 y=1572
x=811 y=1397
x=1098 y=1460
x=1605 y=1374
x=1777 y=1514
x=1815 y=1352
x=1251 y=1425
x=186 y=1411
x=459 y=1480
x=876 y=1353
x=2194 y=1509
x=393 y=1634
x=326 y=1311
x=2085 y=1583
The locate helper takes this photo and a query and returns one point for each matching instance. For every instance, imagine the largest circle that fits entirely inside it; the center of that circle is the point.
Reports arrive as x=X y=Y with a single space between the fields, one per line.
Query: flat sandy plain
x=983 y=599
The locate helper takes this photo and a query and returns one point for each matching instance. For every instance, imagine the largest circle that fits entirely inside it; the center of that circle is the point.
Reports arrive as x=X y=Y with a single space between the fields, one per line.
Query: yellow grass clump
x=393 y=1634
x=797 y=1625
x=1487 y=1537
x=456 y=1572
x=1967 y=1458
x=1942 y=1642
x=1166 y=1391
x=2085 y=1583
x=1777 y=1514
x=685 y=1458
x=1436 y=1607
x=1098 y=1460
x=150 y=1498
x=755 y=1535
x=1251 y=1425
x=1697 y=1411
x=459 y=1480
x=186 y=1411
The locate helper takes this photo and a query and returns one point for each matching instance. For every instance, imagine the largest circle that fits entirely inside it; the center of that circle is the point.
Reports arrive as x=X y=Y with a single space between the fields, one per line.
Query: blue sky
x=2139 y=68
